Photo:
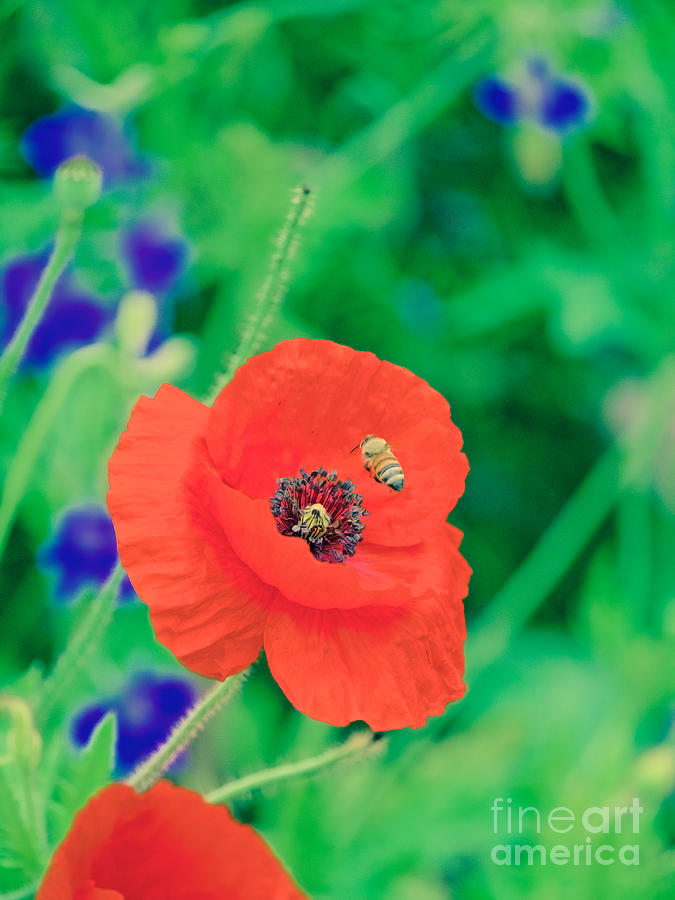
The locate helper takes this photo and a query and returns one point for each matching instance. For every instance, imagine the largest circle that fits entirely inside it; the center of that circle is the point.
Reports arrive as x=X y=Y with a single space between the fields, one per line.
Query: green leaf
x=23 y=846
x=90 y=772
x=28 y=685
x=20 y=845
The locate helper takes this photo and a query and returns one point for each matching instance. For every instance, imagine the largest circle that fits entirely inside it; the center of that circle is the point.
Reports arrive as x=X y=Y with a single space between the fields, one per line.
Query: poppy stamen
x=322 y=510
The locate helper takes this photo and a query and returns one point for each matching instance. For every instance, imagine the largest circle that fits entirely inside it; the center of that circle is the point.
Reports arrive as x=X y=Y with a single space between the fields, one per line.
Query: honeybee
x=379 y=460
x=313 y=523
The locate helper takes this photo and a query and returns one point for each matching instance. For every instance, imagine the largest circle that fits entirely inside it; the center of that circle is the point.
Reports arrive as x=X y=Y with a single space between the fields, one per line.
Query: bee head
x=371 y=444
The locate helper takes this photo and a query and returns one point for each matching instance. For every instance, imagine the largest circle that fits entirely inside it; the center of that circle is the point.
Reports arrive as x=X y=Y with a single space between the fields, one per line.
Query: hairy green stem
x=33 y=440
x=275 y=285
x=67 y=236
x=356 y=747
x=81 y=644
x=273 y=289
x=184 y=732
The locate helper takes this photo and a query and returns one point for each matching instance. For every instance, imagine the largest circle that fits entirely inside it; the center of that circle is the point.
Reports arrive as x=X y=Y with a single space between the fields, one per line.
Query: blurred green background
x=527 y=275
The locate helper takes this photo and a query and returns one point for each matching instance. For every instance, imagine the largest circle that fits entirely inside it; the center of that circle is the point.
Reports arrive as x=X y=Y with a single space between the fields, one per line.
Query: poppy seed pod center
x=322 y=510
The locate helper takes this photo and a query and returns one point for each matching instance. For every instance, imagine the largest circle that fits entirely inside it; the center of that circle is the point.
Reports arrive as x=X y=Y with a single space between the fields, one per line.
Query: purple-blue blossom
x=82 y=552
x=73 y=317
x=147 y=708
x=556 y=103
x=154 y=257
x=51 y=139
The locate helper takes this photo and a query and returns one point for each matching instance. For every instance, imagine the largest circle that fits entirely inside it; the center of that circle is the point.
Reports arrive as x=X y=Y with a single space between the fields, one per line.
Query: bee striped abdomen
x=380 y=461
x=389 y=472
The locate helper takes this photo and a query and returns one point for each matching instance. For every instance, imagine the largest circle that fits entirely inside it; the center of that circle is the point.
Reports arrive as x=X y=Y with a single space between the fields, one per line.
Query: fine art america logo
x=518 y=824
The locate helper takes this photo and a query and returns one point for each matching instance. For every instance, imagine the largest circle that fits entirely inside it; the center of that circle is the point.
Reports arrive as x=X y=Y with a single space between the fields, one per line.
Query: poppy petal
x=309 y=403
x=167 y=842
x=91 y=892
x=206 y=606
x=390 y=667
x=374 y=576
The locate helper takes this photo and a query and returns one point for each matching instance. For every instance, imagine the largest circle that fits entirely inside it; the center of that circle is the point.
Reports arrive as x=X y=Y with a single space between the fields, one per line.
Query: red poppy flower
x=253 y=523
x=166 y=843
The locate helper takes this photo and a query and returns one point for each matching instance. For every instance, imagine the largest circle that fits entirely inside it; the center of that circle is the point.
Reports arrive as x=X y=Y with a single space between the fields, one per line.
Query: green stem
x=67 y=236
x=406 y=118
x=635 y=553
x=45 y=414
x=537 y=576
x=272 y=291
x=275 y=286
x=184 y=732
x=587 y=198
x=81 y=644
x=357 y=746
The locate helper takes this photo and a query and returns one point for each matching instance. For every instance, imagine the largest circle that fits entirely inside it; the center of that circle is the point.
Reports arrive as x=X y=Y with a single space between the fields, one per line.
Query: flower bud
x=537 y=155
x=77 y=183
x=655 y=769
x=21 y=740
x=135 y=322
x=173 y=359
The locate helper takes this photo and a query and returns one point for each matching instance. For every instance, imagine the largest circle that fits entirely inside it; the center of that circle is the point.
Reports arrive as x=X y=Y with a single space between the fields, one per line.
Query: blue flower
x=54 y=138
x=556 y=104
x=82 y=552
x=146 y=709
x=497 y=100
x=72 y=317
x=154 y=258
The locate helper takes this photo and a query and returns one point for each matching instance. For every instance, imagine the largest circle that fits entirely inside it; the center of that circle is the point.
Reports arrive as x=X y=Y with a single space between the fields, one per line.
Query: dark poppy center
x=322 y=510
